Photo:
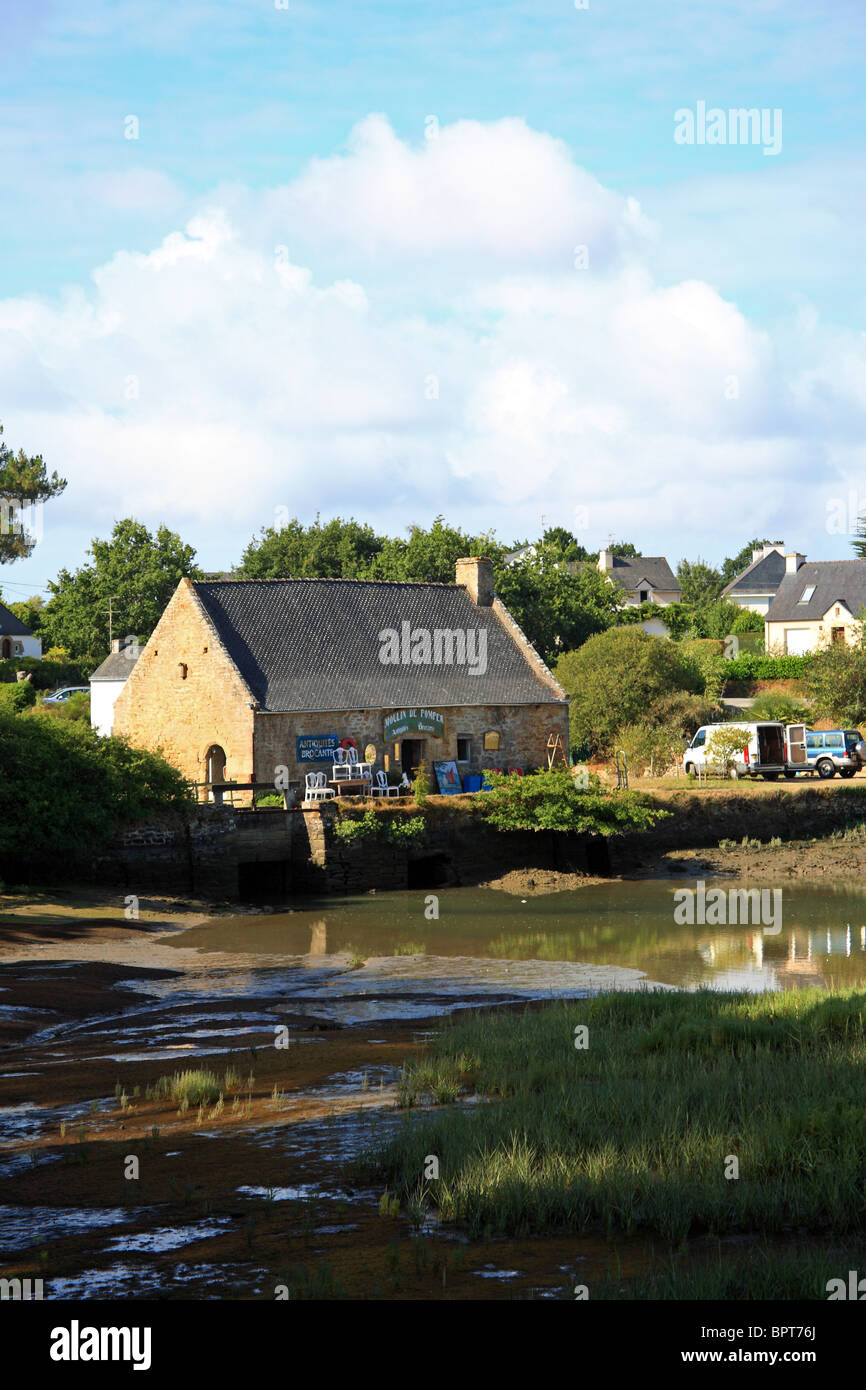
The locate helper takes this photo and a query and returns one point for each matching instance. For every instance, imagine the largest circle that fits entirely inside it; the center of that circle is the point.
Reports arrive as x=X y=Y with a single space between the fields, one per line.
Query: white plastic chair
x=382 y=788
x=316 y=787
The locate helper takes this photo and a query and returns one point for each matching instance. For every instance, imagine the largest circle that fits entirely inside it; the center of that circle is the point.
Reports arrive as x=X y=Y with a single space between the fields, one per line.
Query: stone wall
x=701 y=820
x=523 y=730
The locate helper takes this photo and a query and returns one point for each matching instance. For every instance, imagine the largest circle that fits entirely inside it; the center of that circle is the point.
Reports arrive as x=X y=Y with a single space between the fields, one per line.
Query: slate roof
x=313 y=644
x=10 y=626
x=115 y=667
x=760 y=577
x=629 y=571
x=836 y=581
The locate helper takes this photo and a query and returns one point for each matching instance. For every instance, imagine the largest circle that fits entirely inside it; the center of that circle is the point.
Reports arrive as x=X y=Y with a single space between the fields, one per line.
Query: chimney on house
x=605 y=561
x=793 y=561
x=476 y=574
x=115 y=645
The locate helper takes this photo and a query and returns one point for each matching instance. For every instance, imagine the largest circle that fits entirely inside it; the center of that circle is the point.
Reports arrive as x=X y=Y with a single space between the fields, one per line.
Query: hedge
x=751 y=666
x=46 y=675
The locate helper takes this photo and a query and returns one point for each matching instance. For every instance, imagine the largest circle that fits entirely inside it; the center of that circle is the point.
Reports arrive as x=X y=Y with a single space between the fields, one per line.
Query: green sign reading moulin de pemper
x=414 y=721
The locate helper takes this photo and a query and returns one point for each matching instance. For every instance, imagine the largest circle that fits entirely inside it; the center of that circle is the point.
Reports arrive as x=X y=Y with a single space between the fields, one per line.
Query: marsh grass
x=765 y=1272
x=632 y=1134
x=188 y=1088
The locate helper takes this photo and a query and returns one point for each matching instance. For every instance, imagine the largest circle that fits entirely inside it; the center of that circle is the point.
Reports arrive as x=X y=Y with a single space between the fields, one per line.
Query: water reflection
x=822 y=940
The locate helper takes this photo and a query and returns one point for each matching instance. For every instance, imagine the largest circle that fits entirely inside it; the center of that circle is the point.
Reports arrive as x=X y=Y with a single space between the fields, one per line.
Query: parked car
x=764 y=750
x=59 y=696
x=829 y=751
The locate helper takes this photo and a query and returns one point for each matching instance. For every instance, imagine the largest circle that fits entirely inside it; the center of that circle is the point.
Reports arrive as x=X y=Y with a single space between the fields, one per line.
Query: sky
x=514 y=263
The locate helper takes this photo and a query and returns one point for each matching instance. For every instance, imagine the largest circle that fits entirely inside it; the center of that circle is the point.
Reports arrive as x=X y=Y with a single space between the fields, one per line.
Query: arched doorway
x=215 y=764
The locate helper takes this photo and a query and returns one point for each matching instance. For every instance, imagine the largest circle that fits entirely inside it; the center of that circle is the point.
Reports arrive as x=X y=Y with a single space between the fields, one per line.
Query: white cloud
x=221 y=376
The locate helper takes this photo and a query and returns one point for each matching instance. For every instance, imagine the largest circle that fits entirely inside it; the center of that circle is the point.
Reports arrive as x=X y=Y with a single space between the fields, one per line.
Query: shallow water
x=628 y=925
x=346 y=961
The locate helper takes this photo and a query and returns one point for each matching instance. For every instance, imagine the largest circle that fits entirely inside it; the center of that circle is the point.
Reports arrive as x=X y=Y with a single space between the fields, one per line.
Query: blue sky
x=243 y=309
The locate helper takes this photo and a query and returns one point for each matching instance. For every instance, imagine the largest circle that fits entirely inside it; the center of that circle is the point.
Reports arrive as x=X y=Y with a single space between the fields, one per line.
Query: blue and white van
x=825 y=751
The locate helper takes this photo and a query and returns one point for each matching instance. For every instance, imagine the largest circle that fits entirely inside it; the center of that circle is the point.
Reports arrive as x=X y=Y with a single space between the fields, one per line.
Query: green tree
x=138 y=571
x=835 y=681
x=335 y=549
x=24 y=482
x=724 y=748
x=431 y=555
x=556 y=606
x=735 y=564
x=615 y=677
x=699 y=582
x=28 y=612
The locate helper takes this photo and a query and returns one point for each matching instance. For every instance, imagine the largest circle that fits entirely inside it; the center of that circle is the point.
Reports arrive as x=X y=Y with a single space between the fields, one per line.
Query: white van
x=764 y=750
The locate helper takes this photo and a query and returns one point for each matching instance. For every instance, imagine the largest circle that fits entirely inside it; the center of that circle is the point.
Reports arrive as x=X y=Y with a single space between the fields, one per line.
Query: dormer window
x=643 y=595
x=806 y=594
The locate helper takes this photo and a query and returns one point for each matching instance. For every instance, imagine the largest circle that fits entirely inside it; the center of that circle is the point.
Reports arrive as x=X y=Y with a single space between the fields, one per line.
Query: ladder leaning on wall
x=555 y=752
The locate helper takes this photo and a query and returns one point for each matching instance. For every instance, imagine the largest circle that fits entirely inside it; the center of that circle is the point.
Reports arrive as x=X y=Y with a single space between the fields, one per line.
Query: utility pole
x=111 y=599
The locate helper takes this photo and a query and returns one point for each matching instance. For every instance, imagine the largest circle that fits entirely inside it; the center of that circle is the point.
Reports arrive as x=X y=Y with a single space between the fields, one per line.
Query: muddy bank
x=110 y=1191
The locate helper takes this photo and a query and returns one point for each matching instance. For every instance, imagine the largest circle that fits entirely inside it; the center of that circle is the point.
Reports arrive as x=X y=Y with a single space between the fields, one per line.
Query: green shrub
x=616 y=676
x=46 y=674
x=770 y=705
x=76 y=707
x=18 y=697
x=64 y=788
x=404 y=831
x=551 y=801
x=421 y=784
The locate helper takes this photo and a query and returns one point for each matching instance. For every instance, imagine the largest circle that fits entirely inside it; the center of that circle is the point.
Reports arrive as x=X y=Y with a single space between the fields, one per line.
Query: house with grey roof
x=16 y=638
x=815 y=604
x=756 y=586
x=643 y=579
x=108 y=680
x=242 y=678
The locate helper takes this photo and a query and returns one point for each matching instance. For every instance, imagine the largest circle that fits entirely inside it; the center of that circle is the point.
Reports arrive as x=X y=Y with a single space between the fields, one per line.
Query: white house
x=16 y=639
x=643 y=579
x=756 y=586
x=816 y=603
x=108 y=680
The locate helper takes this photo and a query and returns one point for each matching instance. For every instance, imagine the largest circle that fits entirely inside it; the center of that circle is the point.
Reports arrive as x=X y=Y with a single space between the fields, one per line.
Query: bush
x=46 y=674
x=551 y=801
x=684 y=713
x=724 y=748
x=76 y=707
x=836 y=683
x=650 y=748
x=753 y=666
x=615 y=677
x=770 y=705
x=63 y=788
x=18 y=697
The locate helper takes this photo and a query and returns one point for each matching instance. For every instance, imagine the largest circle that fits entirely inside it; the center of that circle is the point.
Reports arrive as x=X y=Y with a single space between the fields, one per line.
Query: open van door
x=797 y=756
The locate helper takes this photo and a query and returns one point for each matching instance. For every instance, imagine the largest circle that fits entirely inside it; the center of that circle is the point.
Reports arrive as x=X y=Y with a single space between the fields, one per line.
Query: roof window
x=806 y=594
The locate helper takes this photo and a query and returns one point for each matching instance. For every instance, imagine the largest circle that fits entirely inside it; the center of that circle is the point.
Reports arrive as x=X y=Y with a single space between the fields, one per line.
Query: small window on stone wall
x=464 y=749
x=491 y=741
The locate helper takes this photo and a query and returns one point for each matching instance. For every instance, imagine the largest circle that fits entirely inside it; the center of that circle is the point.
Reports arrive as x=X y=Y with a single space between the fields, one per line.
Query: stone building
x=243 y=677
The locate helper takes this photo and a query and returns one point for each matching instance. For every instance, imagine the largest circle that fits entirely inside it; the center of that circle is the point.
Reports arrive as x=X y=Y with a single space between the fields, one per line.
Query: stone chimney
x=605 y=561
x=793 y=561
x=476 y=574
x=115 y=645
